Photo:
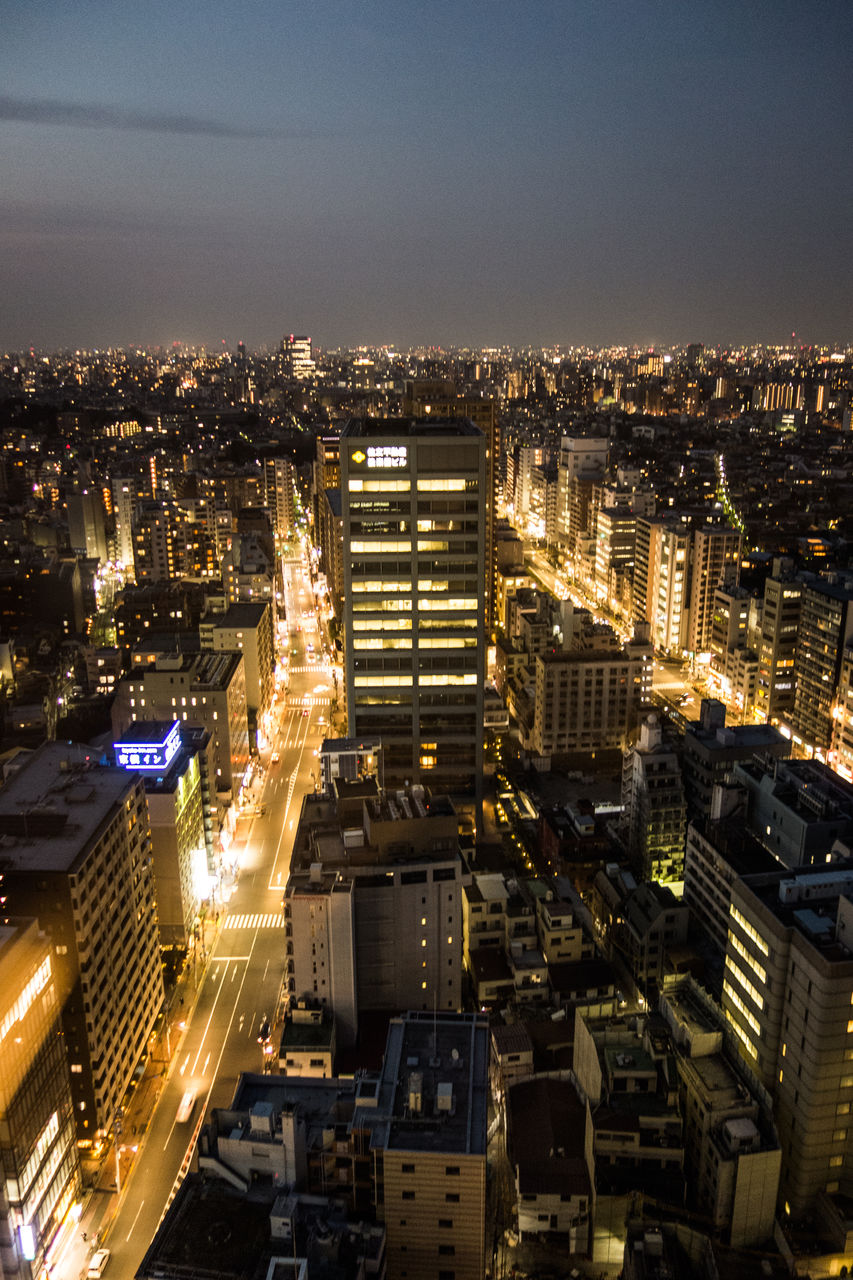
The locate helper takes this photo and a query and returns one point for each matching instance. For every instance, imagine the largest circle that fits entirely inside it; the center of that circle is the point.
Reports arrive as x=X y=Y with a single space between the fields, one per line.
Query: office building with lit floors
x=788 y=997
x=413 y=507
x=76 y=854
x=38 y=1139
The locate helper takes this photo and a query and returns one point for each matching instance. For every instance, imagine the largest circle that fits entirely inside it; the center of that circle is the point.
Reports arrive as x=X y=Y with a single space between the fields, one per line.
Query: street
x=214 y=1031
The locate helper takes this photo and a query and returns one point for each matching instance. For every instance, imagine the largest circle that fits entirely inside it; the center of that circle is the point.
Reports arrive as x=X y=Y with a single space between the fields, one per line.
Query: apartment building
x=787 y=994
x=207 y=689
x=373 y=903
x=246 y=629
x=780 y=622
x=654 y=806
x=77 y=856
x=586 y=700
x=38 y=1136
x=175 y=768
x=825 y=630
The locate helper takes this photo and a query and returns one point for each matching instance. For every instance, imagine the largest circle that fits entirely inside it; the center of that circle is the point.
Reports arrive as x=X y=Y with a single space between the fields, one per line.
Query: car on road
x=275 y=757
x=98 y=1264
x=185 y=1107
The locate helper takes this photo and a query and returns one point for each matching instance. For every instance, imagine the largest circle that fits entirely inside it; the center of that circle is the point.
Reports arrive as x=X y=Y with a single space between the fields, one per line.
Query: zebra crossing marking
x=258 y=920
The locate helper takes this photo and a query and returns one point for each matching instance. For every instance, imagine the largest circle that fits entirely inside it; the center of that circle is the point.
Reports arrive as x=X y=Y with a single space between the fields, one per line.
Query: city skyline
x=593 y=173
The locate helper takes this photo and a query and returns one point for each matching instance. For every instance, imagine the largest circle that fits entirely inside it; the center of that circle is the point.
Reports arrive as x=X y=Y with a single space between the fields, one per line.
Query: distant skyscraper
x=414 y=517
x=297 y=357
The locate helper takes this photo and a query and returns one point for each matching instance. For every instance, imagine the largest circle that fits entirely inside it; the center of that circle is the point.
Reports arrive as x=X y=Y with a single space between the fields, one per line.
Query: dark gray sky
x=447 y=171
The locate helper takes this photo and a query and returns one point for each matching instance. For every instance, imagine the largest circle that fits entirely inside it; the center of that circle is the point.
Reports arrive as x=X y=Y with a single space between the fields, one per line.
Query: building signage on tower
x=149 y=755
x=383 y=455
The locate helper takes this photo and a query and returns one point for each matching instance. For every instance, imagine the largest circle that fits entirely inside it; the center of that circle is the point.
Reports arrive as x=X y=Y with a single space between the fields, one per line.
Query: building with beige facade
x=788 y=997
x=77 y=856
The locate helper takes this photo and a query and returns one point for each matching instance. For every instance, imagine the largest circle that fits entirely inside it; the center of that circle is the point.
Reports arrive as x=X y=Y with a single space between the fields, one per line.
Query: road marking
x=133 y=1224
x=267 y=920
x=183 y=1069
x=225 y=959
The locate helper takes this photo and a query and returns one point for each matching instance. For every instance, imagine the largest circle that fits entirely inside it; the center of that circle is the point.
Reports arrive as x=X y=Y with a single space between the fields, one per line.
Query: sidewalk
x=101 y=1200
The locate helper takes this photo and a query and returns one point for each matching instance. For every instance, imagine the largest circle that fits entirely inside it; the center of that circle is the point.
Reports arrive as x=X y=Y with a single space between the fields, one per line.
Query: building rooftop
x=242 y=615
x=368 y=428
x=433 y=1091
x=55 y=804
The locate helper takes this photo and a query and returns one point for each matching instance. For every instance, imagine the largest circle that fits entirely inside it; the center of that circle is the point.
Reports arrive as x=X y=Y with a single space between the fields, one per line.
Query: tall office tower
x=77 y=856
x=38 y=1138
x=424 y=399
x=654 y=807
x=715 y=560
x=780 y=623
x=297 y=357
x=825 y=630
x=413 y=513
x=280 y=497
x=787 y=994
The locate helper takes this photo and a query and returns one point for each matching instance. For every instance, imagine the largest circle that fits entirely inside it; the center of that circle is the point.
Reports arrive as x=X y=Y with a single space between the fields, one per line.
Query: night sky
x=478 y=172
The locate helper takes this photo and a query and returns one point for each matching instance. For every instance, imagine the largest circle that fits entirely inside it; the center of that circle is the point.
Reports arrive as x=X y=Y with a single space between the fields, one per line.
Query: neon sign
x=149 y=756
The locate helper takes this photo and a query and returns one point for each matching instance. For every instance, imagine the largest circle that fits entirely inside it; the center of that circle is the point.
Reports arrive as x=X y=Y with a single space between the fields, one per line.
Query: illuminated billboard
x=156 y=753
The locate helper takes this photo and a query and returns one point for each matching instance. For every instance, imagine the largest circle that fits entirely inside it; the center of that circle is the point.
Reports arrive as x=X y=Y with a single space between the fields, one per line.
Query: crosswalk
x=261 y=920
x=308 y=701
x=316 y=669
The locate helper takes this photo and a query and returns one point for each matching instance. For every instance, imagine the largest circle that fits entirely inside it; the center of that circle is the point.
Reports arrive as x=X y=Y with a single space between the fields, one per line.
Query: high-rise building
x=38 y=1139
x=780 y=621
x=413 y=518
x=676 y=572
x=661 y=580
x=715 y=560
x=77 y=856
x=825 y=630
x=654 y=808
x=174 y=767
x=280 y=480
x=787 y=994
x=297 y=356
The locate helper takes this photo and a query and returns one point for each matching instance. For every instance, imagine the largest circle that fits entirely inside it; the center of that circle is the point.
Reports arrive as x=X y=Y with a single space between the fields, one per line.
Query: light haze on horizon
x=470 y=174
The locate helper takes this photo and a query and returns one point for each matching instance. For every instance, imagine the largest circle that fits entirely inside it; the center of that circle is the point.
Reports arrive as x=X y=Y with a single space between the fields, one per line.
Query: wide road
x=242 y=979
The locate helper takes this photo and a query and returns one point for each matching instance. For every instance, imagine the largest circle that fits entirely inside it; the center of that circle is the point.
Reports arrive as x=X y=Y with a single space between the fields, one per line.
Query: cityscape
x=426 y=640
x=427 y=811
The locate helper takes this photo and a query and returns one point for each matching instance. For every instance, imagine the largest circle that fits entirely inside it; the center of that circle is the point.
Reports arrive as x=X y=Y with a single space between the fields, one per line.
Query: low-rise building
x=550 y=1147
